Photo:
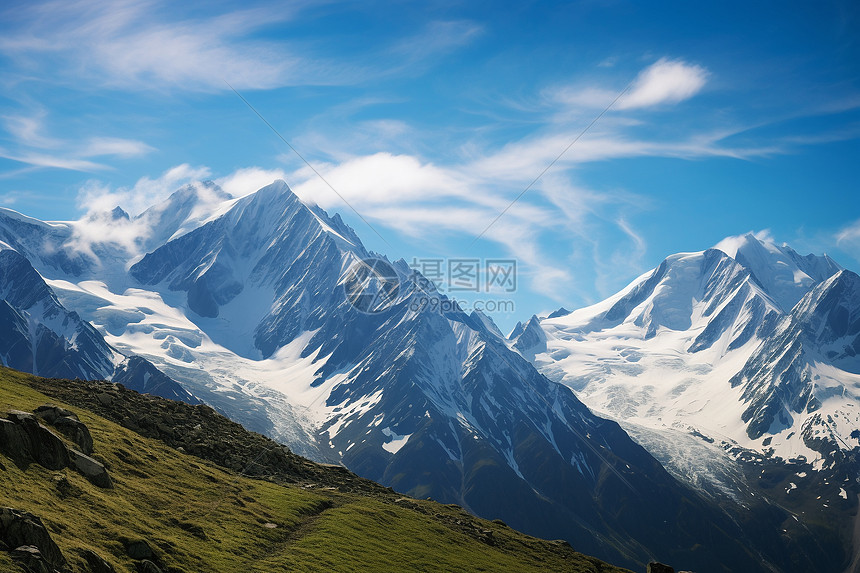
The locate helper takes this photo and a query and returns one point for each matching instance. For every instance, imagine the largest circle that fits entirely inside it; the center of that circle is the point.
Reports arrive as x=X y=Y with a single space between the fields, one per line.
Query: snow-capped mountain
x=257 y=306
x=807 y=373
x=721 y=342
x=737 y=367
x=40 y=336
x=528 y=339
x=249 y=308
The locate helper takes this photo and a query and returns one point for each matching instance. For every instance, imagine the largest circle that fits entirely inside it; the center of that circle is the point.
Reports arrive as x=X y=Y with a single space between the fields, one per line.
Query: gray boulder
x=31 y=441
x=50 y=413
x=30 y=559
x=67 y=423
x=22 y=529
x=19 y=416
x=48 y=449
x=91 y=469
x=15 y=443
x=657 y=567
x=25 y=440
x=76 y=431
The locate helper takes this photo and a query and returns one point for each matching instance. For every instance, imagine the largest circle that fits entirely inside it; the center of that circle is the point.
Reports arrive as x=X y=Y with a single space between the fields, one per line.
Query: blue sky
x=430 y=118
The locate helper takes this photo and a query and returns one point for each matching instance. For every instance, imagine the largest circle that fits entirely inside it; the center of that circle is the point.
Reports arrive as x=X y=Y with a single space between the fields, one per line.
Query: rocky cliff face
x=804 y=365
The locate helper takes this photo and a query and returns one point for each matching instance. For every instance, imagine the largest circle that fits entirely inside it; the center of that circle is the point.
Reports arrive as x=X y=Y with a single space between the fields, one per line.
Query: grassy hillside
x=198 y=516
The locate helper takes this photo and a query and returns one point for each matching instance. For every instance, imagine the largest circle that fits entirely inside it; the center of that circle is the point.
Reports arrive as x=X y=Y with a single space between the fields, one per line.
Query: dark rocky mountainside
x=201 y=431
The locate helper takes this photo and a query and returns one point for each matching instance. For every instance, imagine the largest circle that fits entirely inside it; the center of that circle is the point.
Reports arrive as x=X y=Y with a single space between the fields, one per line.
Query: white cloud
x=50 y=161
x=579 y=97
x=40 y=150
x=249 y=179
x=525 y=159
x=666 y=81
x=155 y=45
x=96 y=197
x=848 y=238
x=100 y=230
x=100 y=146
x=381 y=179
x=29 y=130
x=140 y=44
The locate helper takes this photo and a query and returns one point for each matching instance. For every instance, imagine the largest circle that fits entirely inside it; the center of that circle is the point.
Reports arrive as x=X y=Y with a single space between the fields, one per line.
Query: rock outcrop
x=147 y=566
x=26 y=441
x=201 y=431
x=30 y=543
x=91 y=469
x=67 y=423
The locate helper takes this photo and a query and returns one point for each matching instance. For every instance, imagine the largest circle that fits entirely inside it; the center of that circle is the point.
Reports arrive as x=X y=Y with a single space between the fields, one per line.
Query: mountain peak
x=746 y=242
x=276 y=189
x=783 y=273
x=560 y=312
x=529 y=338
x=839 y=293
x=184 y=210
x=119 y=213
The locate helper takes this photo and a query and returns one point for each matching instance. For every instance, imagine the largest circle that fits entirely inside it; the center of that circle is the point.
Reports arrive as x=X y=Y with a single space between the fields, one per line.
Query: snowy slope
x=695 y=346
x=39 y=335
x=806 y=377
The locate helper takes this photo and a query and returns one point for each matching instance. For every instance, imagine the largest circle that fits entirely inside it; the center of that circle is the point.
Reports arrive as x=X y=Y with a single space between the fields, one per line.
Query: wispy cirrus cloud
x=30 y=130
x=35 y=147
x=848 y=239
x=154 y=45
x=437 y=38
x=138 y=44
x=115 y=146
x=43 y=161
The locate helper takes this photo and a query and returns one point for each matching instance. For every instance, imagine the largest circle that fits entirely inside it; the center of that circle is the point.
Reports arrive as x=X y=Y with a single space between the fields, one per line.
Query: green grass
x=5 y=562
x=199 y=517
